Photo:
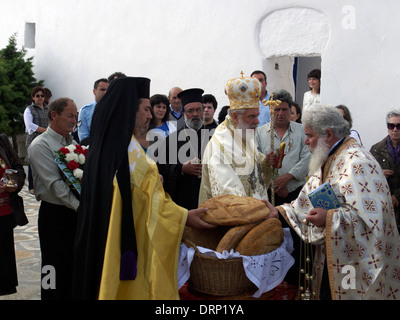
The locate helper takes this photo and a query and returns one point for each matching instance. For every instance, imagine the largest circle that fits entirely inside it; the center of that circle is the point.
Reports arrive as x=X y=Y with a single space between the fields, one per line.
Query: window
x=30 y=35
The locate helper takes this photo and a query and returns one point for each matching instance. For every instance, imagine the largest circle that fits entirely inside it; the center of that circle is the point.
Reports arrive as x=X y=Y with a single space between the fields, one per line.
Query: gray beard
x=196 y=125
x=318 y=156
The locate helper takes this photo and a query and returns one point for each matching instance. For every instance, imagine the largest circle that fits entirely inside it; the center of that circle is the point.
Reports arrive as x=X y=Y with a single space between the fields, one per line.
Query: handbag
x=18 y=214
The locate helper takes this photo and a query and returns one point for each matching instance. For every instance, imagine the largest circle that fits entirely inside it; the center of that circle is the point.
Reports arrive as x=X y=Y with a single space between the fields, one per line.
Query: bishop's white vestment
x=233 y=165
x=359 y=236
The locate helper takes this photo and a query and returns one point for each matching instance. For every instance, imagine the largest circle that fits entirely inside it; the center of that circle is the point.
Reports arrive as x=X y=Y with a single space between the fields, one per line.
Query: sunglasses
x=39 y=96
x=391 y=126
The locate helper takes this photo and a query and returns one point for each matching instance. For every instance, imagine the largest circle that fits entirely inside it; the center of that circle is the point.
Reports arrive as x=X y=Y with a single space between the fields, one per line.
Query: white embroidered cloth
x=266 y=271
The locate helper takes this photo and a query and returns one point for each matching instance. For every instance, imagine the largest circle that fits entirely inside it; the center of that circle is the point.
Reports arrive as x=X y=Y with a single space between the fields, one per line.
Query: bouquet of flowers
x=70 y=160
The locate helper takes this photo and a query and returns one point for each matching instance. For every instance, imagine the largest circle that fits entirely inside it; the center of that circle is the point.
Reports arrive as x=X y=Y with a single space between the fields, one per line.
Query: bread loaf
x=263 y=238
x=231 y=210
x=233 y=236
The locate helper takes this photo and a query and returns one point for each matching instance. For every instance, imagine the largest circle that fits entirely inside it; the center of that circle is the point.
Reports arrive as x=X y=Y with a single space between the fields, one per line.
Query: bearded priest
x=129 y=230
x=360 y=235
x=231 y=162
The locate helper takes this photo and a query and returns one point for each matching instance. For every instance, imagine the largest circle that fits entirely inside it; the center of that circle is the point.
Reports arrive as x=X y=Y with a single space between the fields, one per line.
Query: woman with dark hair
x=312 y=97
x=47 y=95
x=11 y=207
x=222 y=114
x=160 y=110
x=295 y=112
x=347 y=116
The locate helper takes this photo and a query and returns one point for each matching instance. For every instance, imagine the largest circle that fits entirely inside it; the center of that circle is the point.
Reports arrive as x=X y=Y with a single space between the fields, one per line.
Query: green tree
x=16 y=82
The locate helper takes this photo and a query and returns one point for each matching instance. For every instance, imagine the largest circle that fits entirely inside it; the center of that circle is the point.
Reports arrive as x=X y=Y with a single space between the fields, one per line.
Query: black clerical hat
x=143 y=88
x=191 y=95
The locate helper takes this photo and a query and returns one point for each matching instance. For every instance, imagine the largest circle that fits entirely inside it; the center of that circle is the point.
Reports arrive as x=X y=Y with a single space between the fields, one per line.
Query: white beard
x=241 y=125
x=318 y=156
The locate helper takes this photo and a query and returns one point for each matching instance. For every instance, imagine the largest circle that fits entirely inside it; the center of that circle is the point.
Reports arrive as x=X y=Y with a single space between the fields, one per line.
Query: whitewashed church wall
x=193 y=43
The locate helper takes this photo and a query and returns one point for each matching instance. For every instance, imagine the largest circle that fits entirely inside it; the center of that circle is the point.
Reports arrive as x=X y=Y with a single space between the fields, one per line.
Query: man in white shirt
x=292 y=175
x=58 y=208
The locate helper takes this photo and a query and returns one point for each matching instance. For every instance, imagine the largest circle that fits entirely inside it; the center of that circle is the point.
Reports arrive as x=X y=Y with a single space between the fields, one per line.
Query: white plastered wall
x=192 y=43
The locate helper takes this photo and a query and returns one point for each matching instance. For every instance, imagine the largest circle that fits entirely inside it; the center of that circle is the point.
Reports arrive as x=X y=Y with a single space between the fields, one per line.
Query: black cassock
x=181 y=146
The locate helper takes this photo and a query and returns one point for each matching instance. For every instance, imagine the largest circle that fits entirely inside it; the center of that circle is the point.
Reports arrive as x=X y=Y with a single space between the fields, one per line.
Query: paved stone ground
x=27 y=251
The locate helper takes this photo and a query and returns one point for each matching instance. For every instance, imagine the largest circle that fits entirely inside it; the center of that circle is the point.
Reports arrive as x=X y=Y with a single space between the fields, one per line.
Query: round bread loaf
x=231 y=210
x=233 y=236
x=263 y=238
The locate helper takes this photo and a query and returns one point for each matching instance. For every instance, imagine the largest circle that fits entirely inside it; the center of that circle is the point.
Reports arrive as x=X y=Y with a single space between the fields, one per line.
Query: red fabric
x=284 y=291
x=5 y=206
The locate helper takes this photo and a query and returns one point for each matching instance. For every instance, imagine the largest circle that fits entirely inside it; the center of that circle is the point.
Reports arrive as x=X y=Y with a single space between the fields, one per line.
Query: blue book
x=324 y=197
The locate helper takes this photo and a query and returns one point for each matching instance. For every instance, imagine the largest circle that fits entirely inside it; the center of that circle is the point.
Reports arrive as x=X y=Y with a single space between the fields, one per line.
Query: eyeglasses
x=391 y=126
x=39 y=96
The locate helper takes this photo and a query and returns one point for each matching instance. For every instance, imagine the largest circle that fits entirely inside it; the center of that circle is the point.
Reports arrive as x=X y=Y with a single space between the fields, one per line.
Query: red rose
x=64 y=151
x=72 y=165
x=78 y=149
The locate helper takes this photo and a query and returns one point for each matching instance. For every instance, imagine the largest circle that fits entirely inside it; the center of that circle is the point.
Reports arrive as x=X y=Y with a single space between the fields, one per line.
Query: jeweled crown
x=243 y=92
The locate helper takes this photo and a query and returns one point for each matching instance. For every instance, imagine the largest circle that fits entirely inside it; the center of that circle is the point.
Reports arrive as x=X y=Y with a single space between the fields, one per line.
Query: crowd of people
x=153 y=159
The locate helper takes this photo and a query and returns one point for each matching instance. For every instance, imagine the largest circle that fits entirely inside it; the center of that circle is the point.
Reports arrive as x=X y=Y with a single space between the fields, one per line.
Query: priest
x=179 y=159
x=357 y=244
x=129 y=230
x=231 y=162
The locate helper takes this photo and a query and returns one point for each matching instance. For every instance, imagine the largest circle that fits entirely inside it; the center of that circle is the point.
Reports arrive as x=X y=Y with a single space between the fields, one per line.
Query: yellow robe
x=159 y=224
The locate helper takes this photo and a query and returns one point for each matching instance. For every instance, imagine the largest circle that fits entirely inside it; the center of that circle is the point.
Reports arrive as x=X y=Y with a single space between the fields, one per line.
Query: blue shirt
x=177 y=115
x=264 y=116
x=164 y=127
x=85 y=120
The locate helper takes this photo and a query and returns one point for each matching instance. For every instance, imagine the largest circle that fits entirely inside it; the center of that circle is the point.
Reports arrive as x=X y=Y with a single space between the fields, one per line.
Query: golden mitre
x=243 y=92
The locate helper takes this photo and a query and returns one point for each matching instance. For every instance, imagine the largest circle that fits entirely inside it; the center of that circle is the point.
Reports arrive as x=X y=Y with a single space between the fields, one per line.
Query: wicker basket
x=212 y=276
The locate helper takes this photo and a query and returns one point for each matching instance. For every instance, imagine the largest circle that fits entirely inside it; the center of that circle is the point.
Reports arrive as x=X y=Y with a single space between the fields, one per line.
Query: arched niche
x=294 y=32
x=286 y=37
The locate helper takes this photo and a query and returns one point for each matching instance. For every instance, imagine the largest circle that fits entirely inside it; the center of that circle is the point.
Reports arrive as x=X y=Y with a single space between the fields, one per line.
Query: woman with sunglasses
x=387 y=153
x=35 y=118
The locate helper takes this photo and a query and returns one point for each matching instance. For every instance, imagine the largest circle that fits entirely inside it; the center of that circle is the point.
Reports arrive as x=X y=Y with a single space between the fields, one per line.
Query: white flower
x=71 y=157
x=78 y=173
x=81 y=158
x=71 y=148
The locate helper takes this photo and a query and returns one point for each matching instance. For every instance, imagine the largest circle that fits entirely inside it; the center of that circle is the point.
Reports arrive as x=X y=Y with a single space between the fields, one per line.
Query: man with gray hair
x=292 y=175
x=360 y=234
x=387 y=153
x=59 y=205
x=180 y=155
